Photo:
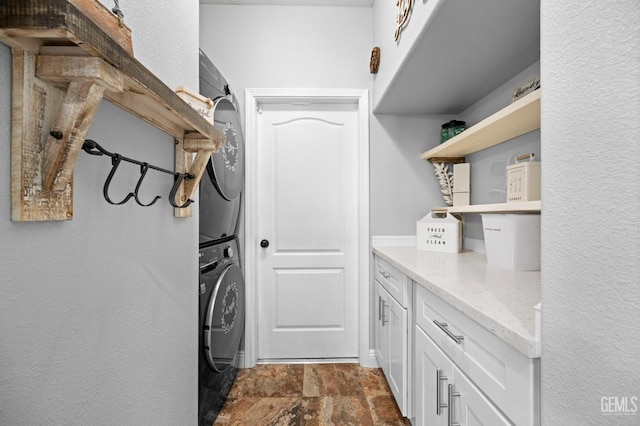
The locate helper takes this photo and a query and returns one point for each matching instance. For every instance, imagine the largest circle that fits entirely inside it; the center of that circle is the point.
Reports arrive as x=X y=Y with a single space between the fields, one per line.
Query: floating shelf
x=523 y=207
x=67 y=56
x=519 y=118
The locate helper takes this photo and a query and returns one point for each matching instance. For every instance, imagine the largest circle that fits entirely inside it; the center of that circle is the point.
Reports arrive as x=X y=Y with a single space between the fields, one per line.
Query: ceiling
x=349 y=3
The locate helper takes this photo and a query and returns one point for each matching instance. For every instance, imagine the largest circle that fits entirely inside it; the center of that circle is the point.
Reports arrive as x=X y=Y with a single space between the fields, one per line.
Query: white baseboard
x=309 y=361
x=241 y=359
x=369 y=360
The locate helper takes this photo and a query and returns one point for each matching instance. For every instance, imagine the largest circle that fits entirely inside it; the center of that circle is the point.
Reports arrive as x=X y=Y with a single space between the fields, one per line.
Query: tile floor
x=310 y=395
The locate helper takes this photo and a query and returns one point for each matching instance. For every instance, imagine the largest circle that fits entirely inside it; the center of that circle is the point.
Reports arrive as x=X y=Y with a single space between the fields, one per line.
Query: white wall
x=288 y=46
x=98 y=315
x=392 y=53
x=591 y=196
x=403 y=186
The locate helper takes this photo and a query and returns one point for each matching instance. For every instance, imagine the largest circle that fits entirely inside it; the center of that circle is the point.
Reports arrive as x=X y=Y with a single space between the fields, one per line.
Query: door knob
x=264 y=243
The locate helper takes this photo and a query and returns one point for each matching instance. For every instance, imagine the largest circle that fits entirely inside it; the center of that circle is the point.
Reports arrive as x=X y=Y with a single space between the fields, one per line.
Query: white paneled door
x=307 y=229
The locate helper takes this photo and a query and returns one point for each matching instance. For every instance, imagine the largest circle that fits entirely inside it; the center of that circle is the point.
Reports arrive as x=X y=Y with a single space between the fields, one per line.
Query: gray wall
x=488 y=167
x=591 y=198
x=98 y=315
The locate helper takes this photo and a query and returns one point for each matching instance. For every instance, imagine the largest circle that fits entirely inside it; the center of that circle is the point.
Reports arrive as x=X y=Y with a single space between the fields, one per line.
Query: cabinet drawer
x=394 y=281
x=507 y=377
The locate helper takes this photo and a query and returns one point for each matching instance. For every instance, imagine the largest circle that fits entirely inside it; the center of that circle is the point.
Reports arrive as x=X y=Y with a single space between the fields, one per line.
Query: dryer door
x=226 y=167
x=224 y=324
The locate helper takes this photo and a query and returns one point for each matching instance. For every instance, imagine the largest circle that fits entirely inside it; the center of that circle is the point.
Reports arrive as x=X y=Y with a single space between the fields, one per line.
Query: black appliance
x=221 y=187
x=221 y=312
x=221 y=325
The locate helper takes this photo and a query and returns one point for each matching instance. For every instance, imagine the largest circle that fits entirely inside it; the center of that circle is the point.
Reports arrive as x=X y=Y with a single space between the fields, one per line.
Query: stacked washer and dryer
x=222 y=301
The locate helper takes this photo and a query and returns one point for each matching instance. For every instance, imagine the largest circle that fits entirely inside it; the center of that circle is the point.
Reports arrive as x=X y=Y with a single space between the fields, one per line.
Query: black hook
x=172 y=195
x=93 y=148
x=143 y=171
x=115 y=161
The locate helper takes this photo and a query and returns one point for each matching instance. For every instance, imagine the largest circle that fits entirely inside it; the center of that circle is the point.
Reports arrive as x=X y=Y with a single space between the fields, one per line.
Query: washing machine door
x=224 y=323
x=226 y=167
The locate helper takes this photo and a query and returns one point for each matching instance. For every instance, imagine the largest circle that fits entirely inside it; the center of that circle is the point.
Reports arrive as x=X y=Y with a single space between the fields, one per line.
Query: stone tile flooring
x=310 y=395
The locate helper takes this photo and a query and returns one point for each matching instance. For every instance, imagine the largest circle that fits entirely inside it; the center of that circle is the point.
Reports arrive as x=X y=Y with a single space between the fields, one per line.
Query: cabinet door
x=381 y=335
x=433 y=373
x=470 y=407
x=396 y=324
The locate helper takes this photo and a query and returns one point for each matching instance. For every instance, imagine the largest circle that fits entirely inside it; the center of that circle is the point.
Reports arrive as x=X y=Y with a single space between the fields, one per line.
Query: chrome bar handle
x=385 y=275
x=379 y=308
x=443 y=326
x=439 y=405
x=384 y=317
x=452 y=394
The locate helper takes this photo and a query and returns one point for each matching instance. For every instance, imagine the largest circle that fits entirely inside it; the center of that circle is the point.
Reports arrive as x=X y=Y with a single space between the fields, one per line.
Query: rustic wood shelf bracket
x=185 y=163
x=68 y=55
x=452 y=160
x=55 y=99
x=41 y=164
x=54 y=102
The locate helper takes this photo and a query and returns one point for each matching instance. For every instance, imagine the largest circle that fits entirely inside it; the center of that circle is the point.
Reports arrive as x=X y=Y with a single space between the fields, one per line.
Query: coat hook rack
x=92 y=147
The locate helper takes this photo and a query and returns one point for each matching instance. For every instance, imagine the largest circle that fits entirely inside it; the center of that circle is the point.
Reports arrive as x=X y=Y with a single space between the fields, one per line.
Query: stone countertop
x=500 y=300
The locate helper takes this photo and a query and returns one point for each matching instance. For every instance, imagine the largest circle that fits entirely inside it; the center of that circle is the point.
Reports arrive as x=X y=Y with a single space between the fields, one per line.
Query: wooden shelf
x=66 y=59
x=519 y=118
x=523 y=207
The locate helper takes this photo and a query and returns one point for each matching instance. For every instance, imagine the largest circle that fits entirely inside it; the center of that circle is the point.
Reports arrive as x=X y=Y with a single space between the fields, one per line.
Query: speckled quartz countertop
x=500 y=300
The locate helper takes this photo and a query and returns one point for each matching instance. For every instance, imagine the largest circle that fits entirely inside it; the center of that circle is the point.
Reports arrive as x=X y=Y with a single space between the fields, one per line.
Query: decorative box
x=439 y=232
x=523 y=181
x=204 y=106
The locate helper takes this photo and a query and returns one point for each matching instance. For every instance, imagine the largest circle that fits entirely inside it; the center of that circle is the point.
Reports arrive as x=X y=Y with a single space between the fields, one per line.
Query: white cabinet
x=392 y=330
x=381 y=332
x=444 y=395
x=432 y=372
x=427 y=340
x=458 y=364
x=470 y=406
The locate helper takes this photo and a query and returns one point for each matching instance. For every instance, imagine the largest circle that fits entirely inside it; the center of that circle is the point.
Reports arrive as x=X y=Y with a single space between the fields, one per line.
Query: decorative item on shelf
x=203 y=105
x=524 y=179
x=402 y=16
x=461 y=184
x=439 y=232
x=526 y=89
x=374 y=64
x=451 y=129
x=445 y=177
x=93 y=148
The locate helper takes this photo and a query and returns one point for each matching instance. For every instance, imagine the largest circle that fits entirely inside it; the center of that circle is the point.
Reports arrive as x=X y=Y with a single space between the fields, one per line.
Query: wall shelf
x=523 y=207
x=67 y=56
x=519 y=118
